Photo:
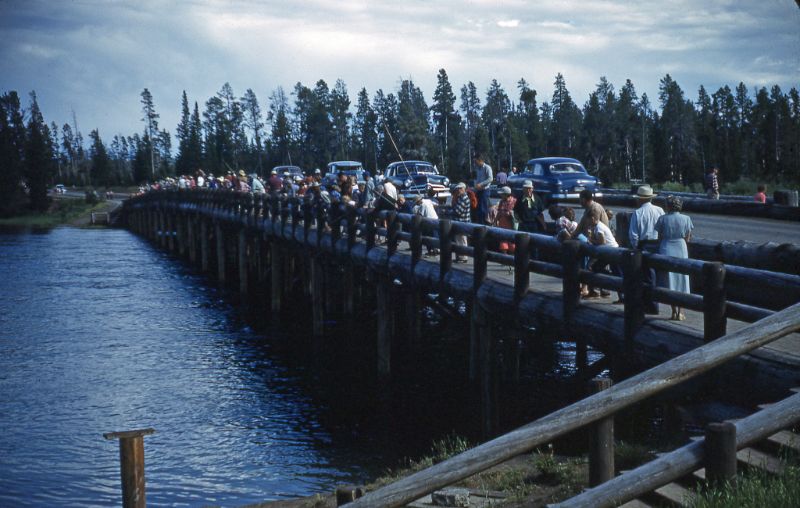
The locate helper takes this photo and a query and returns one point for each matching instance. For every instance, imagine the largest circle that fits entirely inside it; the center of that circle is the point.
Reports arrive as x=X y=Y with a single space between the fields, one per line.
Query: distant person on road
x=761 y=195
x=674 y=231
x=642 y=233
x=501 y=178
x=483 y=179
x=712 y=182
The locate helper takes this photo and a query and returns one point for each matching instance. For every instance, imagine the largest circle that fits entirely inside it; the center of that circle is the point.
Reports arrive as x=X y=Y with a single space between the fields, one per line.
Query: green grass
x=755 y=489
x=62 y=211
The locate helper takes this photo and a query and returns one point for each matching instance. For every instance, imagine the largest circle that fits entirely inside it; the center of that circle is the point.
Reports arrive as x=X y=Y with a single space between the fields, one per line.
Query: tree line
x=618 y=134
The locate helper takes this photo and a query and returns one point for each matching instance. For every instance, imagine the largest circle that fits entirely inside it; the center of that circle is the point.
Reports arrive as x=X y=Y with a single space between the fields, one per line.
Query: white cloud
x=511 y=23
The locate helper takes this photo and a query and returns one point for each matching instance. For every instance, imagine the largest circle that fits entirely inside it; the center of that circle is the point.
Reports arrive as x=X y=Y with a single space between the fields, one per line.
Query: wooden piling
x=385 y=325
x=131 y=458
x=204 y=247
x=244 y=276
x=191 y=233
x=632 y=282
x=714 y=320
x=219 y=235
x=601 y=447
x=317 y=297
x=276 y=278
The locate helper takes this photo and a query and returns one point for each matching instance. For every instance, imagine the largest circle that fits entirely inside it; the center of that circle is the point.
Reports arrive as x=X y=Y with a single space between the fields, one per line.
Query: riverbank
x=62 y=211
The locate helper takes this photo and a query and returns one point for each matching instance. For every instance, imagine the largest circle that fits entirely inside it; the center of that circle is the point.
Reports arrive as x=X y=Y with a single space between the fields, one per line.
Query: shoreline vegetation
x=61 y=212
x=541 y=477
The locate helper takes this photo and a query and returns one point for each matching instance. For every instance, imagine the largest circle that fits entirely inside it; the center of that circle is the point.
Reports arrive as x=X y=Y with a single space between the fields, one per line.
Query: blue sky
x=95 y=57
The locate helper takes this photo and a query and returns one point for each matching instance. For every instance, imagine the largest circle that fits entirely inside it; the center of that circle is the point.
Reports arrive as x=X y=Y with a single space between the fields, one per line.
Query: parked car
x=60 y=189
x=349 y=168
x=291 y=170
x=555 y=179
x=416 y=177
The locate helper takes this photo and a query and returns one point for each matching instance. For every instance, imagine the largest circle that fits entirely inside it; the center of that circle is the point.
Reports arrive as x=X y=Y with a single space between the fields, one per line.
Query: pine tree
x=150 y=120
x=412 y=122
x=12 y=150
x=340 y=120
x=566 y=120
x=471 y=108
x=529 y=122
x=39 y=167
x=365 y=133
x=280 y=130
x=182 y=166
x=101 y=164
x=494 y=115
x=253 y=122
x=446 y=123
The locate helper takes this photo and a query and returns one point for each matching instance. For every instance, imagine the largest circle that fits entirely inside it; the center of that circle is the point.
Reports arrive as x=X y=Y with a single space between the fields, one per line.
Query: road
x=727 y=228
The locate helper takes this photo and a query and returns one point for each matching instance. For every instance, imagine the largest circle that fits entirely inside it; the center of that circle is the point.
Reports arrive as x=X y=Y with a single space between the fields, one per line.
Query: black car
x=349 y=168
x=291 y=171
x=555 y=179
x=416 y=177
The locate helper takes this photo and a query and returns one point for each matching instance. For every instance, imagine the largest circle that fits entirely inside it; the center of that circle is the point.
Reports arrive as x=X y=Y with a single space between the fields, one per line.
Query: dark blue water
x=99 y=332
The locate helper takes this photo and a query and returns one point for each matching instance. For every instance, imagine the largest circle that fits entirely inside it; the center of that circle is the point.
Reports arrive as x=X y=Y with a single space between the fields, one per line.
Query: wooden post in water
x=522 y=274
x=219 y=235
x=714 y=320
x=276 y=278
x=720 y=451
x=317 y=297
x=571 y=294
x=171 y=232
x=601 y=448
x=385 y=325
x=487 y=369
x=241 y=250
x=191 y=231
x=131 y=458
x=479 y=275
x=180 y=233
x=204 y=247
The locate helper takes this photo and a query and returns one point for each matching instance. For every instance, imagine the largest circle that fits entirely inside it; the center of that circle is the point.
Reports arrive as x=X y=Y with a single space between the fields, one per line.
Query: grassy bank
x=755 y=489
x=61 y=211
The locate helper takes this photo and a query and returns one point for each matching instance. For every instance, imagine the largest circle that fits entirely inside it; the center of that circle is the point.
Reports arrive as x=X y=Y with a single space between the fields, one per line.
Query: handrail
x=671 y=466
x=586 y=411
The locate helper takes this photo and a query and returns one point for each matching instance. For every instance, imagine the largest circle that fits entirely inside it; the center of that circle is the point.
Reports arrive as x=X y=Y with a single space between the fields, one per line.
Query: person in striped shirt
x=461 y=213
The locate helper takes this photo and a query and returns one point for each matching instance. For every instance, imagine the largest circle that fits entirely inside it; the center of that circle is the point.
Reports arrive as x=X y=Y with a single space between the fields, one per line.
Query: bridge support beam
x=317 y=297
x=204 y=247
x=244 y=275
x=487 y=370
x=385 y=325
x=191 y=233
x=219 y=236
x=276 y=278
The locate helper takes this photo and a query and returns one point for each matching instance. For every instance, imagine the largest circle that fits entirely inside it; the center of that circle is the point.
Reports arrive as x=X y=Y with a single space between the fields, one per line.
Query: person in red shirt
x=761 y=196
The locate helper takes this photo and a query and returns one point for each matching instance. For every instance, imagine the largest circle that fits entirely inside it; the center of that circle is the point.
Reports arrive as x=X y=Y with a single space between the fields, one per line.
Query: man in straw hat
x=642 y=228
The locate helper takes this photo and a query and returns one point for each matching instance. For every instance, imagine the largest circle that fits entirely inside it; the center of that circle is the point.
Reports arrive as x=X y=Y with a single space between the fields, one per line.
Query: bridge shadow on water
x=430 y=395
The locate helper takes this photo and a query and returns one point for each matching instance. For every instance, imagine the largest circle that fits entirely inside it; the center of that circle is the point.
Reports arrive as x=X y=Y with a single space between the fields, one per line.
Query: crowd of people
x=651 y=228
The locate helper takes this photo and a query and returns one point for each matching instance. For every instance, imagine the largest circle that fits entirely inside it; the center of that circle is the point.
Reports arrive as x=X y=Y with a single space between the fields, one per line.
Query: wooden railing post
x=131 y=459
x=219 y=235
x=571 y=264
x=445 y=248
x=633 y=291
x=720 y=453
x=601 y=448
x=522 y=274
x=714 y=301
x=416 y=240
x=392 y=233
x=242 y=259
x=480 y=257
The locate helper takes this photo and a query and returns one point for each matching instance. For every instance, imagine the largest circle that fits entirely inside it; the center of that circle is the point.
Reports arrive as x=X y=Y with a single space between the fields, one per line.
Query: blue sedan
x=555 y=179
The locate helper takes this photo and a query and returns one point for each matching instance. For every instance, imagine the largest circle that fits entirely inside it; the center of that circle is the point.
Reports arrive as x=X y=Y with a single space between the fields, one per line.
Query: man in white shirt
x=642 y=227
x=424 y=207
x=643 y=219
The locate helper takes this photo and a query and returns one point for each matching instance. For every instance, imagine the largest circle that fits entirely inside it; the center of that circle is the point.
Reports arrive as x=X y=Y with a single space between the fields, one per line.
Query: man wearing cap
x=642 y=228
x=530 y=210
x=275 y=182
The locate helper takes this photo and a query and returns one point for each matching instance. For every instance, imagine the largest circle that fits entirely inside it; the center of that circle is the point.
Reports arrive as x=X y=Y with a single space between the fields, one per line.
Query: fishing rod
x=405 y=167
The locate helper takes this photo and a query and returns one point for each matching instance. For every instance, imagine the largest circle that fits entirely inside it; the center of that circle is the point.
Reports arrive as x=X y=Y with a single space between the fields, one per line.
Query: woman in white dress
x=674 y=231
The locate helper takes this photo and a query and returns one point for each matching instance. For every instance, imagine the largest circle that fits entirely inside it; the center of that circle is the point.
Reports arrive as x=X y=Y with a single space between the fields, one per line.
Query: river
x=99 y=332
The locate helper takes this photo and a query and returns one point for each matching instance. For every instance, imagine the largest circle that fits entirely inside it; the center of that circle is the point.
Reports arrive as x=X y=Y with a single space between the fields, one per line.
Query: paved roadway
x=722 y=227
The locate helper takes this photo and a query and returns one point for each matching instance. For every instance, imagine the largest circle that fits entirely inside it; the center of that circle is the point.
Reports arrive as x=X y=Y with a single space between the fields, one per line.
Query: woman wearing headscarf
x=674 y=231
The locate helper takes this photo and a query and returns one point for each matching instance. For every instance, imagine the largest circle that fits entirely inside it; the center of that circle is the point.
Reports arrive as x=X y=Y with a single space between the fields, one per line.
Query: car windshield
x=401 y=169
x=566 y=167
x=348 y=169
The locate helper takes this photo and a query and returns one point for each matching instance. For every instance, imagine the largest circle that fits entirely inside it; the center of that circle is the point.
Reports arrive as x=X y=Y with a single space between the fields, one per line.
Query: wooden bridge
x=259 y=239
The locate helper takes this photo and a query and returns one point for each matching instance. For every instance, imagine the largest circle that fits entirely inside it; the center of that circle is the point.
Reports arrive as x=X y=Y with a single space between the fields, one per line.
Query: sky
x=96 y=57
